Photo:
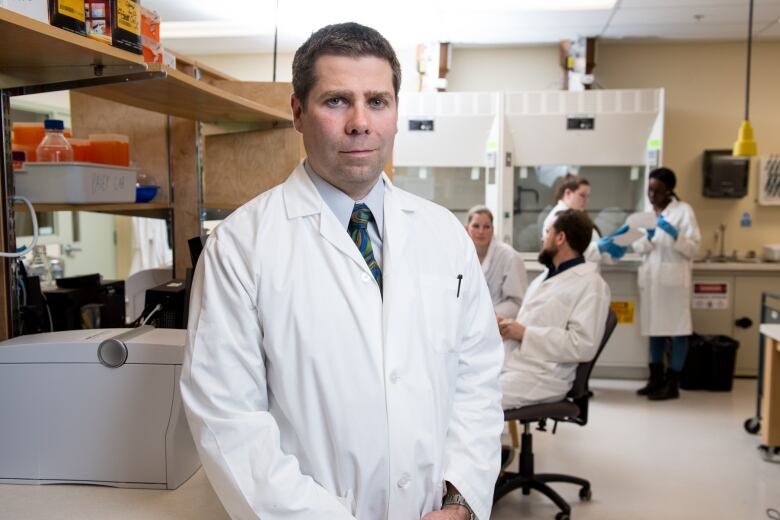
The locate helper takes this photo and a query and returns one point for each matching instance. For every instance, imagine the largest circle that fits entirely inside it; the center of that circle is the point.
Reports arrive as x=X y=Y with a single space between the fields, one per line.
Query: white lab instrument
x=98 y=406
x=772 y=252
x=445 y=149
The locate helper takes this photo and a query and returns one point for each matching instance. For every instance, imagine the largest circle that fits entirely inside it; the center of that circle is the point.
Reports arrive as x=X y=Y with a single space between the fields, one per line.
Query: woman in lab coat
x=502 y=266
x=667 y=252
x=573 y=192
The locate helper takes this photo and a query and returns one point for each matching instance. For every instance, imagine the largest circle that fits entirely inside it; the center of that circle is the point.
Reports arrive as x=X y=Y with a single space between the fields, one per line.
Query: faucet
x=722 y=230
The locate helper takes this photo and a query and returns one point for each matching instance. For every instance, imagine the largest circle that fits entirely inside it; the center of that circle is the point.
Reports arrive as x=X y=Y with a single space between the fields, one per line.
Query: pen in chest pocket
x=460 y=279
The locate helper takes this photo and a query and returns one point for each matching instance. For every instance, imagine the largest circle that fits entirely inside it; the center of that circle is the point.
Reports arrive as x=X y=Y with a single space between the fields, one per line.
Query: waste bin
x=710 y=363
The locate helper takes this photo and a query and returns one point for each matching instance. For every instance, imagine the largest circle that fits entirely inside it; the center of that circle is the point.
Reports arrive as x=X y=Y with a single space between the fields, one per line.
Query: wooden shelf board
x=183 y=96
x=145 y=209
x=34 y=53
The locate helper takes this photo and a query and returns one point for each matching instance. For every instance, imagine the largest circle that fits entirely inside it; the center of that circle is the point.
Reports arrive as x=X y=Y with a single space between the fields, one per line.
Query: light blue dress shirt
x=341 y=205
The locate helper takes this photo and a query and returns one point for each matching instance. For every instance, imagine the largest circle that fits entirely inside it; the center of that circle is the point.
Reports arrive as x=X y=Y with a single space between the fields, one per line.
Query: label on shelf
x=128 y=16
x=71 y=8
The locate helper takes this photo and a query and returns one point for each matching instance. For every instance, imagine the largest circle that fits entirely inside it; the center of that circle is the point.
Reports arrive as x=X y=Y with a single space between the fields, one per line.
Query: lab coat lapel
x=302 y=199
x=396 y=273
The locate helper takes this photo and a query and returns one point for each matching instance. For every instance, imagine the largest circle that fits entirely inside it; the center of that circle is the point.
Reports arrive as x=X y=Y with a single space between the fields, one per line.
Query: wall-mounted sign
x=710 y=295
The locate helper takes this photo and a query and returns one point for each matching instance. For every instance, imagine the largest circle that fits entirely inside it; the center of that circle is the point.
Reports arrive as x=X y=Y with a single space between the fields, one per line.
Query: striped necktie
x=358 y=230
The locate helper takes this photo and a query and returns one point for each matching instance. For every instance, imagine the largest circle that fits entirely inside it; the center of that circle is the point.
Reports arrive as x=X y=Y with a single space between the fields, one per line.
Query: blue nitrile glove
x=666 y=226
x=621 y=231
x=608 y=245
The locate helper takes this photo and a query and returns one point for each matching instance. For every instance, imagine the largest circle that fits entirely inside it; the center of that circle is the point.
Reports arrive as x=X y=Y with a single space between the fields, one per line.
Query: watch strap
x=459 y=500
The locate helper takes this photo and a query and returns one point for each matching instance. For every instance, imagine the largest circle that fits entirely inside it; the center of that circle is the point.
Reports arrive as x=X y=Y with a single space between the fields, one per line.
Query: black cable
x=749 y=53
x=276 y=35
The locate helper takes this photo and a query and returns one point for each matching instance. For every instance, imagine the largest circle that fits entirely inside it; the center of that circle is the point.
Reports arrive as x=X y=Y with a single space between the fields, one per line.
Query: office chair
x=573 y=408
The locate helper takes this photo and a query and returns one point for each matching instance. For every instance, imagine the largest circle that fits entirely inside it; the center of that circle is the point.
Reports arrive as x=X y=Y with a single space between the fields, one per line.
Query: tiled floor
x=684 y=459
x=688 y=459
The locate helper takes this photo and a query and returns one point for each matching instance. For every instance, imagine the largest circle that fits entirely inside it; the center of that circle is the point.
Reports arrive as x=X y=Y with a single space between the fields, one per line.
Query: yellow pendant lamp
x=745 y=144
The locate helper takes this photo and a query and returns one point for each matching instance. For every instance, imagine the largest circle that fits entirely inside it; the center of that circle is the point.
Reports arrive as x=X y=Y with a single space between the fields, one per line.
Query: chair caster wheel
x=752 y=425
x=562 y=516
x=586 y=494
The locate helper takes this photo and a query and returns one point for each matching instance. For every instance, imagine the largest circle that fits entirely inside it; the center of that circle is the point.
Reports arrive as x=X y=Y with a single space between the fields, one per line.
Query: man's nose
x=358 y=121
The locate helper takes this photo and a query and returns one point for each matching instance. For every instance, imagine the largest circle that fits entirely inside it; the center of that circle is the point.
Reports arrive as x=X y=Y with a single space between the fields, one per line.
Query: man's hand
x=452 y=512
x=511 y=329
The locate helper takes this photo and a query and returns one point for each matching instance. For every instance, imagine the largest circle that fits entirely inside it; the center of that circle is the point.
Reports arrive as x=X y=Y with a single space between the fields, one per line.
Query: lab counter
x=193 y=500
x=726 y=301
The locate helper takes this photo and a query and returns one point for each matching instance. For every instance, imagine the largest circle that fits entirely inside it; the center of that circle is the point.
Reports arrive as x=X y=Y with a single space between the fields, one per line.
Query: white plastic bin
x=75 y=183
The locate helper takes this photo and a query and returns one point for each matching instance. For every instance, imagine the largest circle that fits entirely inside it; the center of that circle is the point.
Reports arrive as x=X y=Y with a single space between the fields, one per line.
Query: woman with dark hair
x=667 y=252
x=573 y=192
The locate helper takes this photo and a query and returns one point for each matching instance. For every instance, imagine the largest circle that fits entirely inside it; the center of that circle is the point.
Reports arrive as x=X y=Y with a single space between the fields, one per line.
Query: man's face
x=480 y=229
x=349 y=122
x=549 y=246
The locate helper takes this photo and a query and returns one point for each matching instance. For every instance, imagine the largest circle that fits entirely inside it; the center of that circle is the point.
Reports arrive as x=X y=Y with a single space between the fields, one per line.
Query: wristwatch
x=458 y=500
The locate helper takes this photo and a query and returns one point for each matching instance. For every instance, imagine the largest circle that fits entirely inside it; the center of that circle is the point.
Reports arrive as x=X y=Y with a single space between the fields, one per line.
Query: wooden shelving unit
x=35 y=53
x=160 y=108
x=181 y=95
x=147 y=209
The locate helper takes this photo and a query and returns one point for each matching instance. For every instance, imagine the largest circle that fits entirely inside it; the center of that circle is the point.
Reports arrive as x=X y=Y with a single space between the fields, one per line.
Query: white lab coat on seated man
x=664 y=278
x=506 y=278
x=310 y=397
x=565 y=317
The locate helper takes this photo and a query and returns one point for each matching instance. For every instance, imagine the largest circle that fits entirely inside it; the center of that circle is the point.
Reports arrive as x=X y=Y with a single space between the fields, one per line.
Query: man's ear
x=560 y=238
x=297 y=111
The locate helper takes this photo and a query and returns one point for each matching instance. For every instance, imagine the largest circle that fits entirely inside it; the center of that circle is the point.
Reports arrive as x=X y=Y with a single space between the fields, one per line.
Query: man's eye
x=377 y=102
x=334 y=102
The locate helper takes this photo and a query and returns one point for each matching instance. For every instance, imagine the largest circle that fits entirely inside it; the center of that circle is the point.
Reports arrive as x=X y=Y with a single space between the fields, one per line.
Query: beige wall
x=517 y=68
x=251 y=67
x=259 y=67
x=704 y=105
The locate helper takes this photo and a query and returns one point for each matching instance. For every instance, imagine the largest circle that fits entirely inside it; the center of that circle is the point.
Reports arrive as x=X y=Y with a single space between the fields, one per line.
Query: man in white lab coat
x=561 y=321
x=343 y=355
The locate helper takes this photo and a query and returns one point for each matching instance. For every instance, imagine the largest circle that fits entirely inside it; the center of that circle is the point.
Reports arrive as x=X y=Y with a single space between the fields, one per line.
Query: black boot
x=655 y=381
x=670 y=388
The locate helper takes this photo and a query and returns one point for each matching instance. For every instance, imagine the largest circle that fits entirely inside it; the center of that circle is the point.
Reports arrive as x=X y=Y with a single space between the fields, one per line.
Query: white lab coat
x=310 y=397
x=665 y=274
x=506 y=278
x=592 y=253
x=565 y=317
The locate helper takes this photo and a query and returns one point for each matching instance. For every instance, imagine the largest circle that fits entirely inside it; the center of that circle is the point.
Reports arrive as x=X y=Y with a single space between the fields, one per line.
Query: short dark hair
x=577 y=226
x=344 y=39
x=667 y=177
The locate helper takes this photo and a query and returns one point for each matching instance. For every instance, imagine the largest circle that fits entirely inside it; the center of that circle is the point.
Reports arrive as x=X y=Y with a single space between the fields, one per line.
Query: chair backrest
x=579 y=392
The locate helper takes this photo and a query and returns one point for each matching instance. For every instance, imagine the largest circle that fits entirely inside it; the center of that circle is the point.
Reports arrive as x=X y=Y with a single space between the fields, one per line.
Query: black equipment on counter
x=86 y=302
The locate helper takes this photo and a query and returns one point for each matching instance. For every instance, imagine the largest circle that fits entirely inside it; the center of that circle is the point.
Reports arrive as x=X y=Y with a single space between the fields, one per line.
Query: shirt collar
x=568 y=264
x=342 y=204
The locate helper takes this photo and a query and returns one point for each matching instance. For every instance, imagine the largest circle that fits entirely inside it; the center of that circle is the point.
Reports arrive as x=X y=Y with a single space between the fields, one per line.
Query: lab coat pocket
x=439 y=302
x=348 y=501
x=672 y=274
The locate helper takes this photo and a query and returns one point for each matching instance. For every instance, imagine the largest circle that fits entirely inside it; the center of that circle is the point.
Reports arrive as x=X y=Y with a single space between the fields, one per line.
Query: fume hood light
x=745 y=145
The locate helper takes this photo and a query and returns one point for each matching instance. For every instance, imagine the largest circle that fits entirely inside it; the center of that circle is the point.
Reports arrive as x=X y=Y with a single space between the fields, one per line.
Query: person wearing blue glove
x=664 y=225
x=665 y=284
x=607 y=245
